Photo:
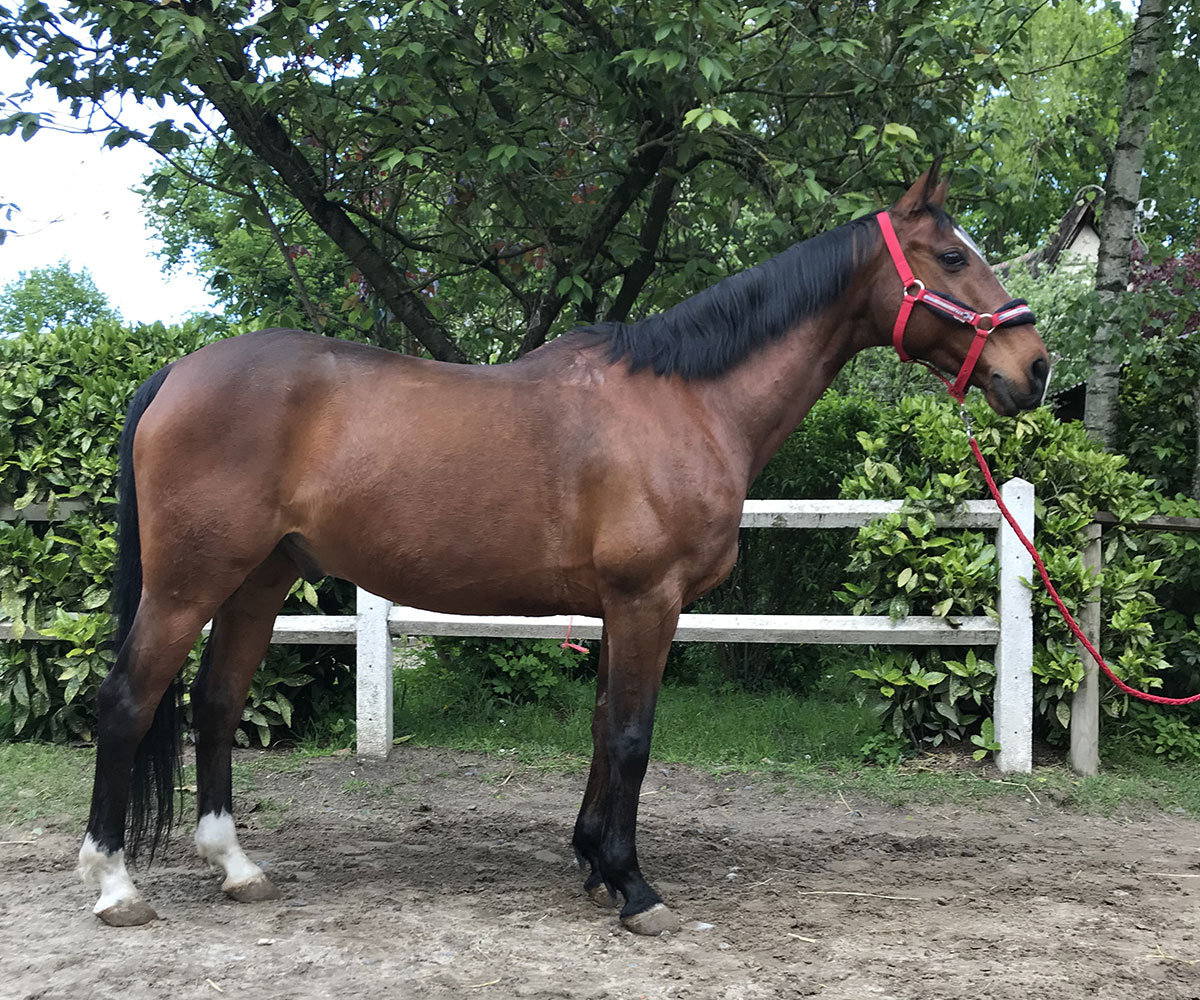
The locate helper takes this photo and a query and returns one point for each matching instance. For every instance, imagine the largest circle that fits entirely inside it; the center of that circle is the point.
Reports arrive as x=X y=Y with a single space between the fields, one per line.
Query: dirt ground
x=442 y=874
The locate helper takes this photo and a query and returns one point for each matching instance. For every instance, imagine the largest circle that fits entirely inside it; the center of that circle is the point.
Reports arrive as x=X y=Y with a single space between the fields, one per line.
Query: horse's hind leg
x=151 y=656
x=240 y=637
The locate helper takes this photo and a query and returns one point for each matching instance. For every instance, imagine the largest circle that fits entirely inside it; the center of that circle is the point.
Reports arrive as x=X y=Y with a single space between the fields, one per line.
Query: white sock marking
x=106 y=872
x=217 y=843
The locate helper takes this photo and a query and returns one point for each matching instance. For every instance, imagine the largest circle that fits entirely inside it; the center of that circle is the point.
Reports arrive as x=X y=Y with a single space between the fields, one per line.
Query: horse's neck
x=763 y=398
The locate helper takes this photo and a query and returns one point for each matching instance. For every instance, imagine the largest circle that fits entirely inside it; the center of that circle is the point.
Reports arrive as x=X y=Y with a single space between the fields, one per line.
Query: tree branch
x=314 y=315
x=642 y=168
x=640 y=270
x=262 y=133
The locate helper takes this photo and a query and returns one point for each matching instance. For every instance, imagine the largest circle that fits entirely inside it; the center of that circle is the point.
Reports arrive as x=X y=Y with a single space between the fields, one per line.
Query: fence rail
x=378 y=622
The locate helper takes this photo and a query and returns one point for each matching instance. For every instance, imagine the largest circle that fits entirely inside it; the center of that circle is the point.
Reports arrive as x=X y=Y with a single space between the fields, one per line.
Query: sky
x=77 y=204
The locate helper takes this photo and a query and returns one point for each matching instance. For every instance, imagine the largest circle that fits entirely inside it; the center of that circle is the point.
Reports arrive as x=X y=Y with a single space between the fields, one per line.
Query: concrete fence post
x=374 y=676
x=1013 y=714
x=1084 y=755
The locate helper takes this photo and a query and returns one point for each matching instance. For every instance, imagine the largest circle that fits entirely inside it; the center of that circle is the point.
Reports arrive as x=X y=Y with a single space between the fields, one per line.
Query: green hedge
x=904 y=565
x=63 y=395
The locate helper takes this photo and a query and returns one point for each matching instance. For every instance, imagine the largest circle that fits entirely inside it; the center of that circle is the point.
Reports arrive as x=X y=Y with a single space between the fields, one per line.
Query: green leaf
x=20 y=691
x=1062 y=712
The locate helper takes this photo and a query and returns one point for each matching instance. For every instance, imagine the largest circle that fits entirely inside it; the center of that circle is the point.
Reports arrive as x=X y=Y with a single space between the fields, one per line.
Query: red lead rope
x=1157 y=699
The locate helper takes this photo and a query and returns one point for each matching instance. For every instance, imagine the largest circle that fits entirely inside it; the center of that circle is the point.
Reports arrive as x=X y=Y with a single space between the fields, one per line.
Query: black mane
x=713 y=330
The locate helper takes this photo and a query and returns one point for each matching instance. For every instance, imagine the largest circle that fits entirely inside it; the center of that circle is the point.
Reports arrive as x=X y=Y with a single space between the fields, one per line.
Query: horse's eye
x=952 y=260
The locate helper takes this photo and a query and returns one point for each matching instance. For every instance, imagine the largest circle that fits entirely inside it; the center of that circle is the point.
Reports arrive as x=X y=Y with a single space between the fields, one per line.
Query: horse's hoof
x=255 y=891
x=600 y=895
x=652 y=922
x=128 y=913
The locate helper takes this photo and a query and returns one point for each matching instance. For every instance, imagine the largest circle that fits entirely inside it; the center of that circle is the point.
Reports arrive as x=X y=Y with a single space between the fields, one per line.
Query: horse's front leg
x=637 y=638
x=589 y=827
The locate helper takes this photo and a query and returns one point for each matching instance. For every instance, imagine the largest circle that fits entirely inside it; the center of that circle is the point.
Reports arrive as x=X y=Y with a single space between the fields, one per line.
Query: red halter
x=1015 y=312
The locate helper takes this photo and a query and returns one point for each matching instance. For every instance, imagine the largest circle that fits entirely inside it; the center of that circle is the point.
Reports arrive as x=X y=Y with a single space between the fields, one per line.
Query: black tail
x=156 y=763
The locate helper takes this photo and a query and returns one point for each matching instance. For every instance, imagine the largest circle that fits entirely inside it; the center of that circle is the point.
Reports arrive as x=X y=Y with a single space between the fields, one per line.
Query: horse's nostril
x=1039 y=371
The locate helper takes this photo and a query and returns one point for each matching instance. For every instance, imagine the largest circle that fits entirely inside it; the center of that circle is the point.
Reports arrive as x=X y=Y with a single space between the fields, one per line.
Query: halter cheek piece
x=1015 y=312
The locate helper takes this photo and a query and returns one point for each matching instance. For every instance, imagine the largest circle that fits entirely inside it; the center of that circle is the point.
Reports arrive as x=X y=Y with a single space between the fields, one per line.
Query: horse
x=602 y=474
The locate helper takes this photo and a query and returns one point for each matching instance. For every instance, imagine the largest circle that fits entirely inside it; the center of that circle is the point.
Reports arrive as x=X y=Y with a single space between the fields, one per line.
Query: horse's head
x=941 y=304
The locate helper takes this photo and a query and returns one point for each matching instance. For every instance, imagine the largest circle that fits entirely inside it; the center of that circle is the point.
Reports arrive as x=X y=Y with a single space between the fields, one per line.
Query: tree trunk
x=1121 y=190
x=262 y=133
x=1196 y=420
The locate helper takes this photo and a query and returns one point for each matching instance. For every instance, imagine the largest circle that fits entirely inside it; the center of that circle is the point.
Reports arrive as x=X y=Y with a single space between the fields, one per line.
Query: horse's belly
x=460 y=566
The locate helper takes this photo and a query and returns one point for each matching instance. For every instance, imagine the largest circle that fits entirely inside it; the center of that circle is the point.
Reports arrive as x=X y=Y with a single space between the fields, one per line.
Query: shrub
x=903 y=564
x=510 y=670
x=63 y=395
x=1157 y=414
x=1172 y=736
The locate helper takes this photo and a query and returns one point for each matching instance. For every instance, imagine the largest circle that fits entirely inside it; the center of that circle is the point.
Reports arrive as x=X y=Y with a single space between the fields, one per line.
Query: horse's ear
x=938 y=195
x=927 y=189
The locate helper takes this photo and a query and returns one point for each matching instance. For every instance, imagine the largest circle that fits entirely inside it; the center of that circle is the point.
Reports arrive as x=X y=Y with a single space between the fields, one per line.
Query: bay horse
x=602 y=474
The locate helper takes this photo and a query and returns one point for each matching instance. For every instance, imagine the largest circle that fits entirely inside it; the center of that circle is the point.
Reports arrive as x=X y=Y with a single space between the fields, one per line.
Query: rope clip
x=966 y=419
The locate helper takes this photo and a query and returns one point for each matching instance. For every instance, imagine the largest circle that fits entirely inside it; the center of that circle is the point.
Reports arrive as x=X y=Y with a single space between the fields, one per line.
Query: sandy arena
x=444 y=874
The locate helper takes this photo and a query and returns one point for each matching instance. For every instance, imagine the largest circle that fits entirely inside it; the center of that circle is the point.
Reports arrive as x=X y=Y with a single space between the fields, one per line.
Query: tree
x=272 y=269
x=550 y=164
x=1121 y=191
x=1049 y=130
x=48 y=297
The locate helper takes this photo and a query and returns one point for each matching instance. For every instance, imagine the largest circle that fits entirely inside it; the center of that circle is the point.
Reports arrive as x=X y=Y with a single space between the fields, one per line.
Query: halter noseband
x=1015 y=312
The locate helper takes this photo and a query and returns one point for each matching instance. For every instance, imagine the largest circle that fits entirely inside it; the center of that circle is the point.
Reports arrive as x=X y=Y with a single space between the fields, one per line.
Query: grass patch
x=812 y=744
x=44 y=786
x=733 y=730
x=1137 y=782
x=797 y=746
x=430 y=711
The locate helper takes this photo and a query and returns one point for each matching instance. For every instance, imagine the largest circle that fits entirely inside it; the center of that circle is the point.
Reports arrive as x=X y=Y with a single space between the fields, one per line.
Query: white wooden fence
x=378 y=622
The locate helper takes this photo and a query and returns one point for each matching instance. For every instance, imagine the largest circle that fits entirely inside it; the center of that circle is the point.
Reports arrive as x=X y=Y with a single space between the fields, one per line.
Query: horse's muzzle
x=1008 y=400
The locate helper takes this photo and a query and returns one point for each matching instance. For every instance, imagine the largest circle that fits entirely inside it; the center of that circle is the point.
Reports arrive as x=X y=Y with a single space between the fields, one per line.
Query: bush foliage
x=903 y=564
x=63 y=394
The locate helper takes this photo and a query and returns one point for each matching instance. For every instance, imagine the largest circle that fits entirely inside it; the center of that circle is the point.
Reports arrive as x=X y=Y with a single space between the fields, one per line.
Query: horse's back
x=410 y=477
x=501 y=489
